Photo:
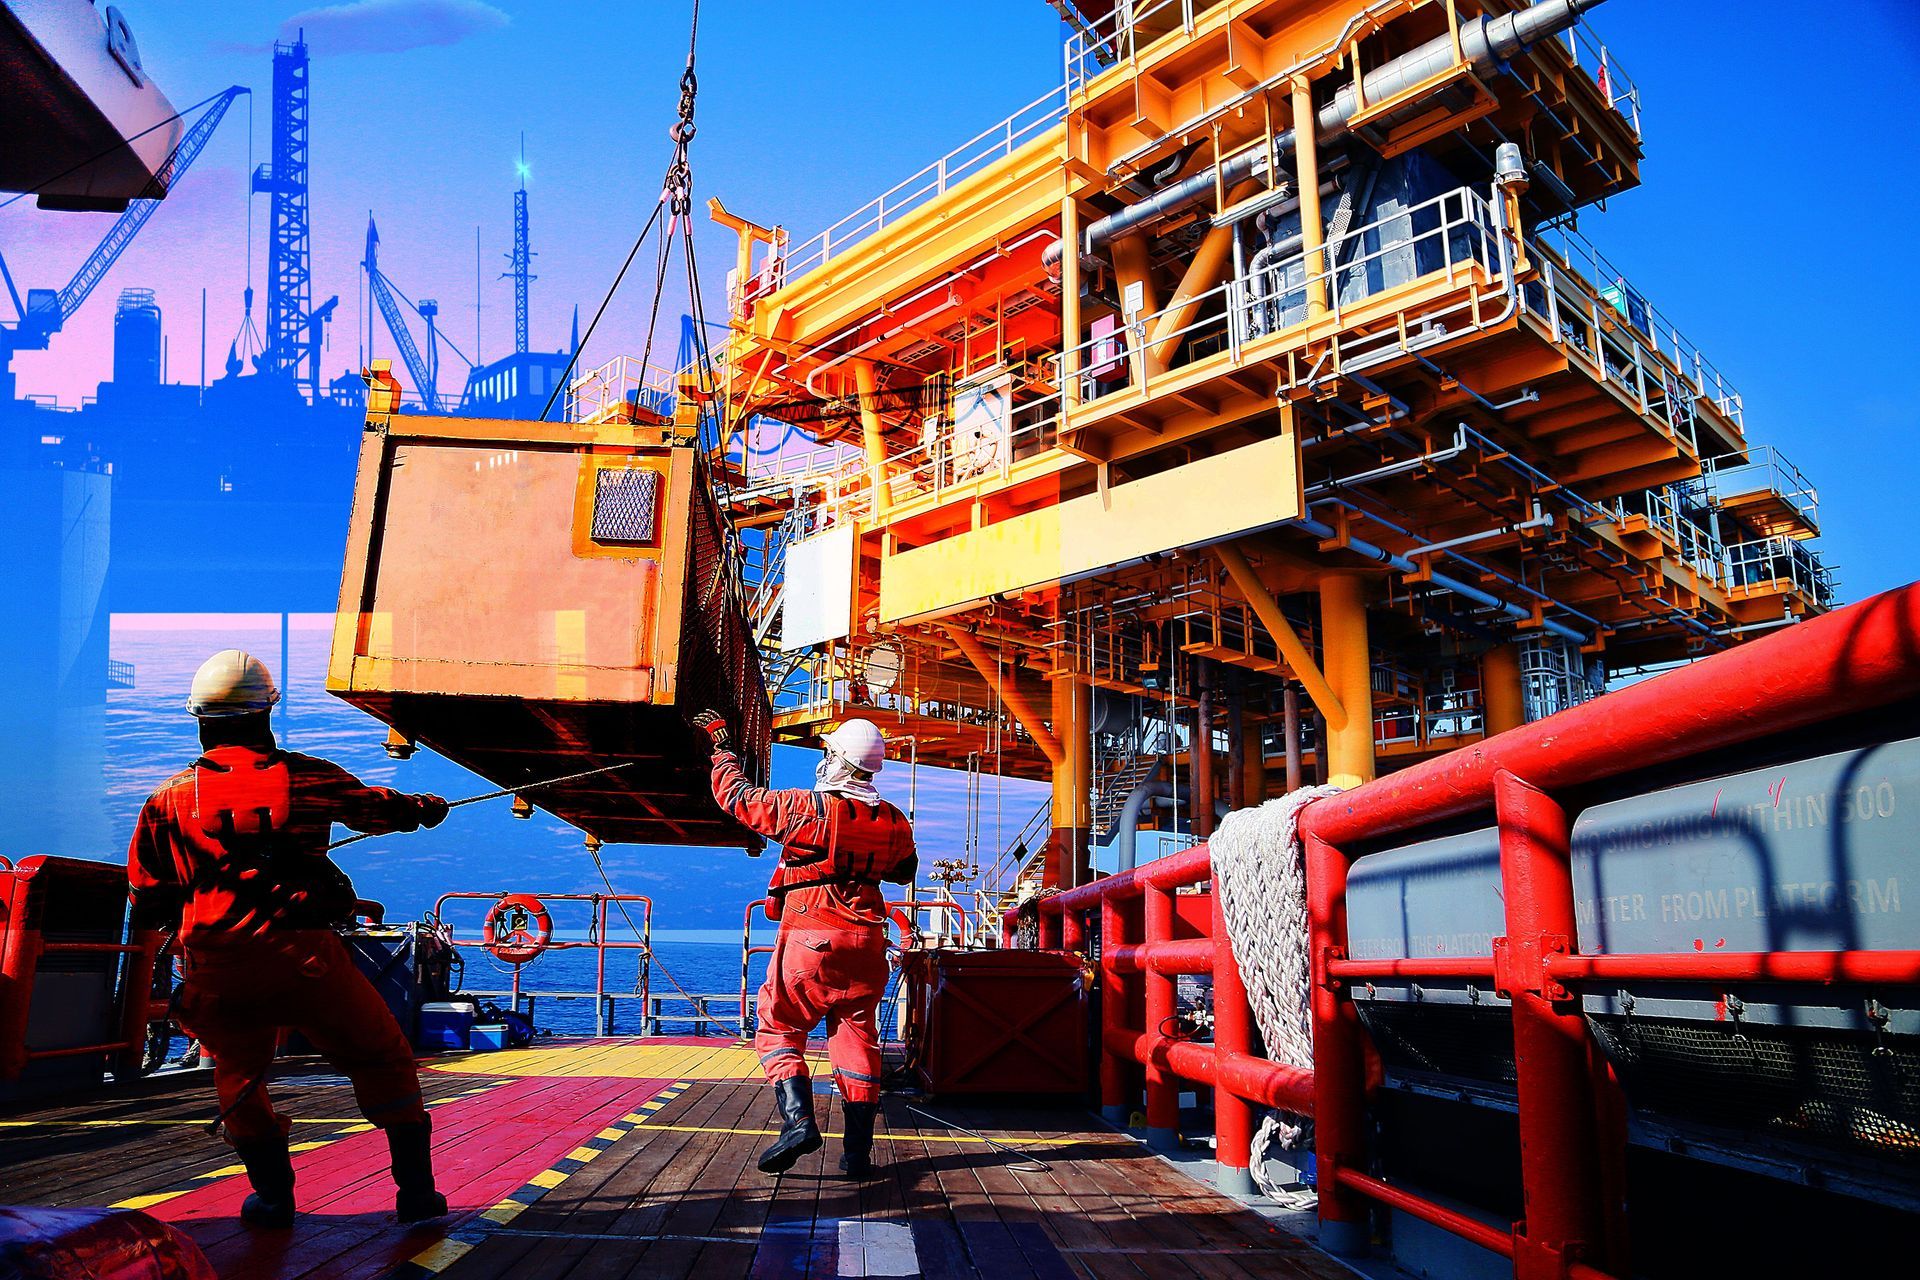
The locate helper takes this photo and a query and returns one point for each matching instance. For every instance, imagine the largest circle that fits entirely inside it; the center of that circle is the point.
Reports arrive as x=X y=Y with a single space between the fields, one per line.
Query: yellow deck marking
x=915 y=1137
x=465 y=1236
x=147 y=1202
x=117 y=1124
x=725 y=1060
x=442 y=1255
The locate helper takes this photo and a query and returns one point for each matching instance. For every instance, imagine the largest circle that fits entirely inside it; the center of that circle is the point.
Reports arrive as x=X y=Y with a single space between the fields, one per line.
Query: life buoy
x=518 y=928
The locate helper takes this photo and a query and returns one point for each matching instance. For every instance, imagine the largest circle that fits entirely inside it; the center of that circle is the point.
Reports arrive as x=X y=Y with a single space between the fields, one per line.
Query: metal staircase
x=1140 y=752
x=1021 y=867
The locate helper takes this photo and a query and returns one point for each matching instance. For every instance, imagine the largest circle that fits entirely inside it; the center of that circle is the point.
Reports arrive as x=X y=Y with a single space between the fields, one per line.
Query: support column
x=1503 y=699
x=1290 y=712
x=1069 y=304
x=1114 y=1102
x=1349 y=671
x=1339 y=1058
x=1072 y=778
x=1236 y=747
x=1306 y=155
x=1130 y=267
x=1232 y=1033
x=1201 y=752
x=1163 y=1087
x=873 y=433
x=1205 y=272
x=1560 y=1157
x=1254 y=776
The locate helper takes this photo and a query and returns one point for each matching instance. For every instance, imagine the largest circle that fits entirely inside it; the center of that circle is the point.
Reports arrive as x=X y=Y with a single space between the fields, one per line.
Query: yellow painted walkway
x=622 y=1059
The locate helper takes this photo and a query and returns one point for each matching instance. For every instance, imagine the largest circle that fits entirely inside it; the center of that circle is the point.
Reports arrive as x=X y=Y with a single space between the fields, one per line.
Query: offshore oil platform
x=1246 y=440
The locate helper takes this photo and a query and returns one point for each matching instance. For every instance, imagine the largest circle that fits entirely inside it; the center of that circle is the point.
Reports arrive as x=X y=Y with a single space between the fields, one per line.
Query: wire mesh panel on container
x=527 y=596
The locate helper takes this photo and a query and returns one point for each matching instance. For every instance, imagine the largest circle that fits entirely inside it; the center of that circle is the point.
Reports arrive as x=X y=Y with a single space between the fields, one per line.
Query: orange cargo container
x=532 y=599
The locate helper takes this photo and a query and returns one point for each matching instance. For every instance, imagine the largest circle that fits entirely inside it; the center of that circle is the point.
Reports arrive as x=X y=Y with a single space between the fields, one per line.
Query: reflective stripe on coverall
x=254 y=963
x=830 y=958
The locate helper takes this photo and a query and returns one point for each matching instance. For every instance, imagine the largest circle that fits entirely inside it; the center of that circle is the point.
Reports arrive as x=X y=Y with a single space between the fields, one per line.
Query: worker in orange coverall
x=838 y=843
x=232 y=851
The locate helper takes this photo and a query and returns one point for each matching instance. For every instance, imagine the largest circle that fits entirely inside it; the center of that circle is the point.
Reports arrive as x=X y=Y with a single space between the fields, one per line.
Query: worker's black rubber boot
x=856 y=1149
x=270 y=1170
x=415 y=1199
x=798 y=1132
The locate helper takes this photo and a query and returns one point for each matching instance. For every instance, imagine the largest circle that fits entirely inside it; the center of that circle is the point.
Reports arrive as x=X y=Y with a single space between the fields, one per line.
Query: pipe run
x=1382 y=556
x=1486 y=42
x=1156 y=791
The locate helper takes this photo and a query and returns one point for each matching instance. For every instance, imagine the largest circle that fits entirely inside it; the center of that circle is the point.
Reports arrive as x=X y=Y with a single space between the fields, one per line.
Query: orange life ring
x=518 y=928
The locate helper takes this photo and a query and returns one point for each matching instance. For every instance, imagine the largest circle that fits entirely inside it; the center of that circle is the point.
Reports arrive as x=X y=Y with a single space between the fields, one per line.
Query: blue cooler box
x=446 y=1024
x=488 y=1036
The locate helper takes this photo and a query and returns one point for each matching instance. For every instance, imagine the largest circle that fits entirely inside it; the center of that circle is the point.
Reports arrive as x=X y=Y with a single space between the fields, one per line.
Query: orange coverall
x=225 y=843
x=830 y=957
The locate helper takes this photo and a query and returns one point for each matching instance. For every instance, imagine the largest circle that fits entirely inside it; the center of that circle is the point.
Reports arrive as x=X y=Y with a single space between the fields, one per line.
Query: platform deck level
x=600 y=1159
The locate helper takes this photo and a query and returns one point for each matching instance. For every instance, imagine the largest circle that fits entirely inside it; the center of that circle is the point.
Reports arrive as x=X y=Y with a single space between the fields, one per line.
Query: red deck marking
x=484 y=1147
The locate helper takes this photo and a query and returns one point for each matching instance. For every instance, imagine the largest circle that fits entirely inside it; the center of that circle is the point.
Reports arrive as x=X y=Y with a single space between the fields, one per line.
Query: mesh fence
x=719 y=666
x=1848 y=1089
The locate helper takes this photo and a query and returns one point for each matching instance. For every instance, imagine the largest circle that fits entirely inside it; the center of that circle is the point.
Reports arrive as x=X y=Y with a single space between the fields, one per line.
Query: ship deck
x=623 y=1157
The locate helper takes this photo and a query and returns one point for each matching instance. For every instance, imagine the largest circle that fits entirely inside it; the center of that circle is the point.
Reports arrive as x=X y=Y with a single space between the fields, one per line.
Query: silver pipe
x=1382 y=556
x=1152 y=787
x=1220 y=807
x=1485 y=42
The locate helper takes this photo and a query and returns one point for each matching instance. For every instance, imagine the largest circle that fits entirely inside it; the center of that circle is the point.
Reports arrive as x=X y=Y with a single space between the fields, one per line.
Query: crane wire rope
x=676 y=199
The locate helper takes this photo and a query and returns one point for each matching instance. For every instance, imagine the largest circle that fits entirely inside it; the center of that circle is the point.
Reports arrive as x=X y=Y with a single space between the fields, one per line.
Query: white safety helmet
x=231 y=683
x=860 y=744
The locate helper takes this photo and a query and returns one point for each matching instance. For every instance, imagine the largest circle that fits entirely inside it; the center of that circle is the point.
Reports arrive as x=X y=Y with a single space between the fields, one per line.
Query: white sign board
x=818 y=607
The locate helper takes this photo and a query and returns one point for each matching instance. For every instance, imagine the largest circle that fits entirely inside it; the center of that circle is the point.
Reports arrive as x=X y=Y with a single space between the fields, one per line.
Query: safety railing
x=837 y=678
x=597 y=940
x=1664 y=511
x=1002 y=876
x=1844 y=664
x=1451 y=256
x=622 y=382
x=942 y=918
x=1144 y=945
x=1130 y=26
x=1449 y=713
x=1591 y=55
x=1122 y=33
x=1765 y=470
x=1453 y=241
x=1601 y=284
x=1780 y=564
x=985 y=148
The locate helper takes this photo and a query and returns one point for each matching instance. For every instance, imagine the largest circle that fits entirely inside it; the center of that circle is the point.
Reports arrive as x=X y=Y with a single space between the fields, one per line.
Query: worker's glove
x=711 y=723
x=433 y=810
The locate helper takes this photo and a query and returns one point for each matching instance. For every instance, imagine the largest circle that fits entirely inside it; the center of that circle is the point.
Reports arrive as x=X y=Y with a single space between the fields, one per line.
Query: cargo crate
x=531 y=599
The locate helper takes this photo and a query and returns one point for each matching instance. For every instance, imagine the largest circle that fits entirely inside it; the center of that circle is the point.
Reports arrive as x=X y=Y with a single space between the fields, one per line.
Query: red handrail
x=600 y=941
x=1849 y=662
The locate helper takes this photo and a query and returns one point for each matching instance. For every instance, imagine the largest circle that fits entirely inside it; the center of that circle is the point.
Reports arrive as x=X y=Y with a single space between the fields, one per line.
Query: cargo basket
x=532 y=599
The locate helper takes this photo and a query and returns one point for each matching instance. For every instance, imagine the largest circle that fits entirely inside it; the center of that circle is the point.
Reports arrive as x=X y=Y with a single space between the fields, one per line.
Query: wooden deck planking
x=678 y=1195
x=77 y=1165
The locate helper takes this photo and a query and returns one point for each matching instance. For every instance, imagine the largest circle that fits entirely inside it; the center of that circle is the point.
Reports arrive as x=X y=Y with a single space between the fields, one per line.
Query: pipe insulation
x=1486 y=42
